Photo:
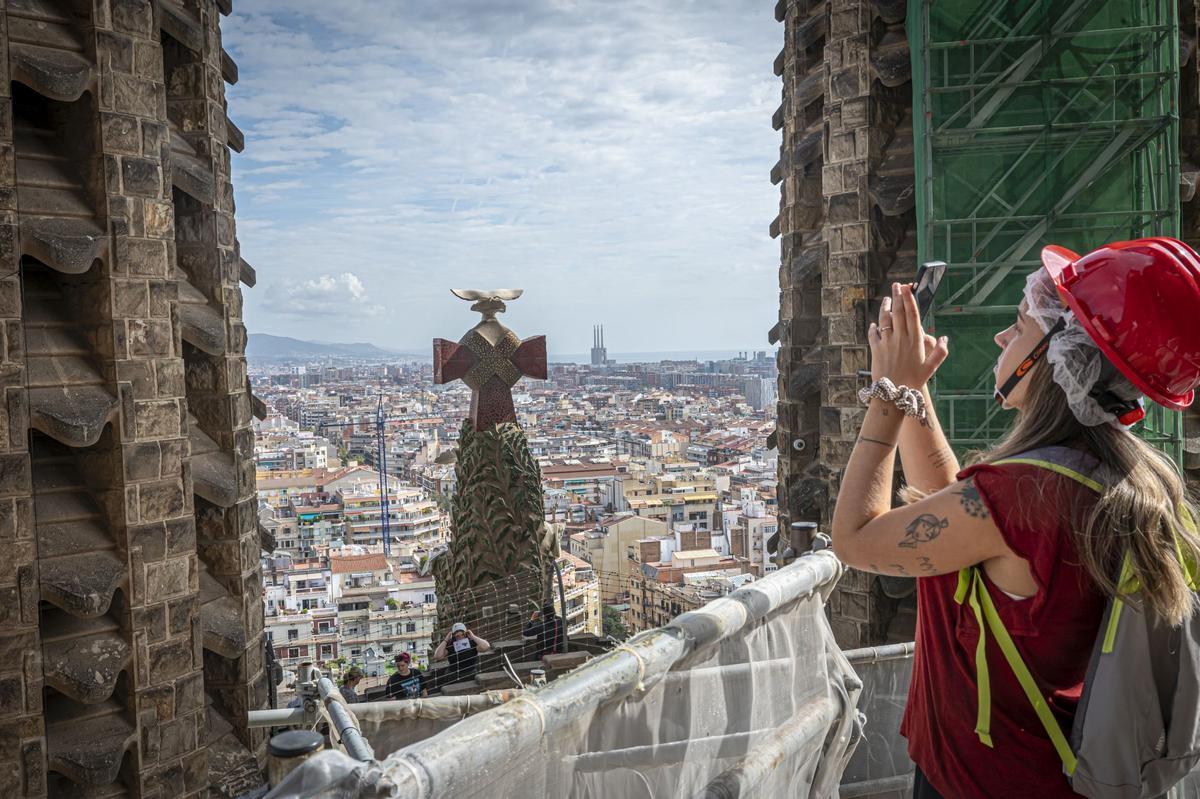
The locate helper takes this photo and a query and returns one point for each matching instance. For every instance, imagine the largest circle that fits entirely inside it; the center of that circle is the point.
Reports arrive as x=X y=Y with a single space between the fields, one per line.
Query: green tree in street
x=613 y=625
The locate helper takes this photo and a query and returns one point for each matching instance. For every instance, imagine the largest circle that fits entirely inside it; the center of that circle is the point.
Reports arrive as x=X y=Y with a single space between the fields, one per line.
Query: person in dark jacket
x=548 y=628
x=407 y=682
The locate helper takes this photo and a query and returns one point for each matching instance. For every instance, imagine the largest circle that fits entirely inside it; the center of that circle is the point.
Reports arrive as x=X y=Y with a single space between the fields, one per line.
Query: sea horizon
x=584 y=358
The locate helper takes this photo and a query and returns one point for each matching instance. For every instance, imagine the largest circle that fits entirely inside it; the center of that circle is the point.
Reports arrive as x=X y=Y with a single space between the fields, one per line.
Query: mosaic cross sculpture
x=489 y=358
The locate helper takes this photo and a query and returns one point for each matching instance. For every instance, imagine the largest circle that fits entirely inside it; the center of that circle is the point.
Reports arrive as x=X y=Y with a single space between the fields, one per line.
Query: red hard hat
x=1140 y=302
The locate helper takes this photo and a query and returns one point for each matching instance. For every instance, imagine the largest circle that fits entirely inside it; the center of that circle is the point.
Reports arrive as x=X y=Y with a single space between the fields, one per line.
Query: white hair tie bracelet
x=910 y=401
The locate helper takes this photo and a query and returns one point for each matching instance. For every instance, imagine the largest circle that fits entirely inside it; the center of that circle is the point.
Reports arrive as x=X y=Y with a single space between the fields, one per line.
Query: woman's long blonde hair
x=1143 y=510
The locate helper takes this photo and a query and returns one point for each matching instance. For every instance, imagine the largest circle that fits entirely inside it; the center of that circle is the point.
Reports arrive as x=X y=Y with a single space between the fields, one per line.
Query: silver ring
x=881 y=329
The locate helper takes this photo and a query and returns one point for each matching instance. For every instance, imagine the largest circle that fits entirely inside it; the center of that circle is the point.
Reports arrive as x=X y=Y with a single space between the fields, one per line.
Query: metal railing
x=320 y=701
x=458 y=756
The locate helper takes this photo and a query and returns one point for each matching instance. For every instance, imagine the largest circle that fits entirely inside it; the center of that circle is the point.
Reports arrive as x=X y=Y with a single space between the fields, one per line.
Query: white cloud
x=327 y=296
x=611 y=158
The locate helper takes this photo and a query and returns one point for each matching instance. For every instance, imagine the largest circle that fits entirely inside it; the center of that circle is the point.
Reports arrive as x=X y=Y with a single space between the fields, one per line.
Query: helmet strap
x=1127 y=411
x=1035 y=355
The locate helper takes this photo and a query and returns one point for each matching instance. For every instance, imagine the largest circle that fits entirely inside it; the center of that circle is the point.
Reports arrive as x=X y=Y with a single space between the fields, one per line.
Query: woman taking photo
x=1091 y=336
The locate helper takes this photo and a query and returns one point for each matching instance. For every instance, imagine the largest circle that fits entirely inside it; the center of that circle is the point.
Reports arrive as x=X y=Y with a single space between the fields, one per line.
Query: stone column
x=168 y=690
x=22 y=737
x=102 y=675
x=803 y=480
x=218 y=397
x=848 y=231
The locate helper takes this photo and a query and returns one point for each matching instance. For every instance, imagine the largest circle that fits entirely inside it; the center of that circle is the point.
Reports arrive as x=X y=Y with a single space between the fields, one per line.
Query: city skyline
x=265 y=348
x=579 y=151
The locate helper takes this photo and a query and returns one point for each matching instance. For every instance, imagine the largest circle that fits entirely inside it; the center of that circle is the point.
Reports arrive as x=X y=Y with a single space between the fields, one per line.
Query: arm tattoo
x=941 y=457
x=972 y=503
x=926 y=564
x=876 y=441
x=925 y=527
x=899 y=568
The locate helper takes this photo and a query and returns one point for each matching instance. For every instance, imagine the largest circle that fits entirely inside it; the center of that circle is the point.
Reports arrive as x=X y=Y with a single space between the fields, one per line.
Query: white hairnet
x=1076 y=360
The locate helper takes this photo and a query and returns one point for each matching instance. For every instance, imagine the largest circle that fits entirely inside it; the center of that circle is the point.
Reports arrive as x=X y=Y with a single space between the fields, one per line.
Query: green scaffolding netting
x=1037 y=122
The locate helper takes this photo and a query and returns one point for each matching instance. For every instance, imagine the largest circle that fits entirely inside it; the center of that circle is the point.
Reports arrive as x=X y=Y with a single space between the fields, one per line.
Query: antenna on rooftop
x=381 y=464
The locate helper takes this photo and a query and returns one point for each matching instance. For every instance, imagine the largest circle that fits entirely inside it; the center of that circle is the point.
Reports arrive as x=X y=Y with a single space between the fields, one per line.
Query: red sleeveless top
x=1054 y=631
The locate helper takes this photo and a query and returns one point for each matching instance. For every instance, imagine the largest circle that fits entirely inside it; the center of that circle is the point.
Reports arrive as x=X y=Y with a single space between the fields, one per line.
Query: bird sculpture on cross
x=489 y=358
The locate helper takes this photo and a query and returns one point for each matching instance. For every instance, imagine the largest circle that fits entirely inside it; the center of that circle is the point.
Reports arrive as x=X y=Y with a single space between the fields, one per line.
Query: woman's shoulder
x=1036 y=491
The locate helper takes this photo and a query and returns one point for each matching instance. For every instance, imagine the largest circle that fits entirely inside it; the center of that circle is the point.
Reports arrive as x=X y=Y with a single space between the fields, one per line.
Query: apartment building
x=310 y=636
x=581 y=590
x=610 y=558
x=659 y=585
x=414 y=520
x=676 y=501
x=372 y=636
x=749 y=527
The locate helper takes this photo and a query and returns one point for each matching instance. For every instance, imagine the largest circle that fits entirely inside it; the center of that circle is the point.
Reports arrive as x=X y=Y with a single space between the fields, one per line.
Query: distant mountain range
x=265 y=346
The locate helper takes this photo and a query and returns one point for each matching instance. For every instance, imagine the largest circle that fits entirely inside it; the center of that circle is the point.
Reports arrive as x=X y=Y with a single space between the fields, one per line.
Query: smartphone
x=928 y=277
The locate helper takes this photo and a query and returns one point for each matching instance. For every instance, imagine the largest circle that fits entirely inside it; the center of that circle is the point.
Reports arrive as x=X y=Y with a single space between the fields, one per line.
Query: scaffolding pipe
x=281 y=717
x=440 y=707
x=458 y=759
x=878 y=654
x=710 y=747
x=812 y=724
x=562 y=603
x=343 y=722
x=884 y=785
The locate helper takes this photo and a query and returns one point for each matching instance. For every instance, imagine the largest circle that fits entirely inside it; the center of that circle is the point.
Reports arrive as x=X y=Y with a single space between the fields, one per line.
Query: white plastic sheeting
x=390 y=726
x=748 y=696
x=880 y=768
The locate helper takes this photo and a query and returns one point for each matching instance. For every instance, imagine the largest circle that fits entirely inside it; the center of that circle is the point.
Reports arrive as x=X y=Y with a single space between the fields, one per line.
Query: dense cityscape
x=659 y=483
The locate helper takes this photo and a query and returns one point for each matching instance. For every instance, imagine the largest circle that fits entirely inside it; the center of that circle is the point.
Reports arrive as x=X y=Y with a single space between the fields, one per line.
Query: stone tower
x=847 y=230
x=497 y=512
x=131 y=619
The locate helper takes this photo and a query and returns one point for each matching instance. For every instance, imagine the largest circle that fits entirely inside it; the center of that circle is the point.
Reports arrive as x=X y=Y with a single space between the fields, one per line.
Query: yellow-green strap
x=1191 y=569
x=983 y=684
x=1110 y=631
x=964 y=583
x=1028 y=684
x=1059 y=468
x=1127 y=583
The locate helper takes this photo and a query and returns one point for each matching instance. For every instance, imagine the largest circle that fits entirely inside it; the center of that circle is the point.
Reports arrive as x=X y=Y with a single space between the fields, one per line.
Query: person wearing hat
x=462 y=647
x=407 y=682
x=1033 y=534
x=350 y=682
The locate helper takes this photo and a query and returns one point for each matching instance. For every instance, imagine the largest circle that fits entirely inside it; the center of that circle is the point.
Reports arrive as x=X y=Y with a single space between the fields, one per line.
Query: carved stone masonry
x=131 y=621
x=489 y=358
x=847 y=230
x=497 y=513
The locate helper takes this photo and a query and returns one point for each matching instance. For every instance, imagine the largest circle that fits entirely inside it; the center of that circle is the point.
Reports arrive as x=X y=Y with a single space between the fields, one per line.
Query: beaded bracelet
x=910 y=401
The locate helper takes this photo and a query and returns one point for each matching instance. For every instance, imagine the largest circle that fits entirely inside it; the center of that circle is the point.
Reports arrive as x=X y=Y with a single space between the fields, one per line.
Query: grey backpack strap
x=1083 y=467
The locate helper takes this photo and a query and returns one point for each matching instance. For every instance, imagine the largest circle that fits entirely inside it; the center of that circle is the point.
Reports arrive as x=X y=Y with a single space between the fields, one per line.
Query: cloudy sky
x=611 y=157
